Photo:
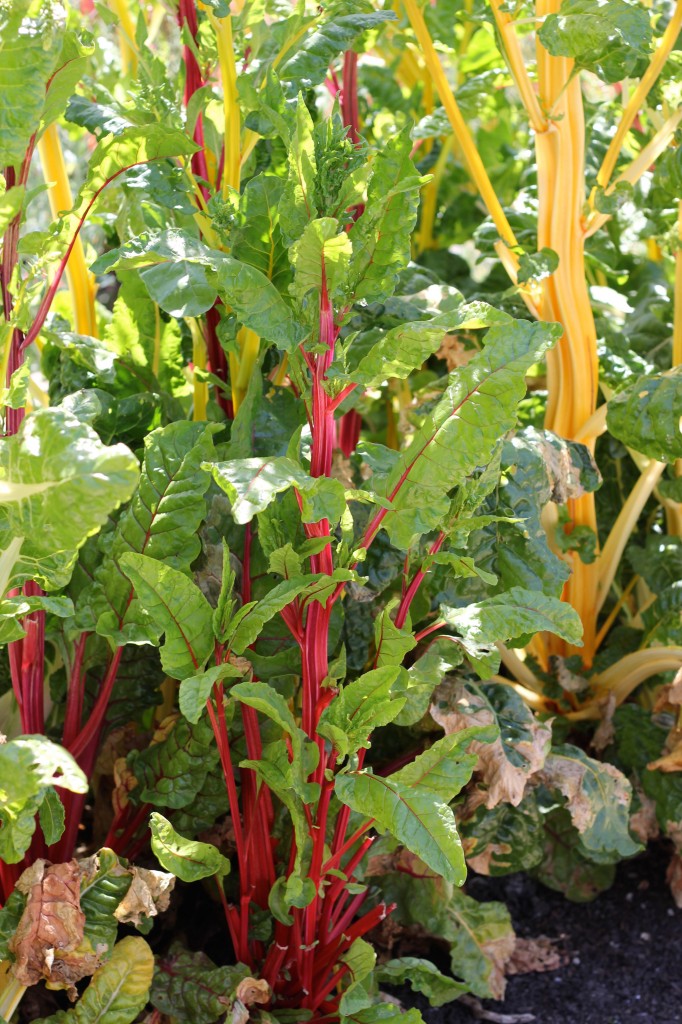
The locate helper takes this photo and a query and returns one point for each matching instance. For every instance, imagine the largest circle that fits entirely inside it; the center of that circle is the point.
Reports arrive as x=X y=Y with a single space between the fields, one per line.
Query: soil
x=624 y=951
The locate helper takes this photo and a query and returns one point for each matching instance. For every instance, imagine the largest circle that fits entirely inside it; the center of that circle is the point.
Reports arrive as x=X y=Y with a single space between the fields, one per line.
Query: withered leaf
x=253 y=990
x=505 y=765
x=49 y=942
x=149 y=894
x=535 y=955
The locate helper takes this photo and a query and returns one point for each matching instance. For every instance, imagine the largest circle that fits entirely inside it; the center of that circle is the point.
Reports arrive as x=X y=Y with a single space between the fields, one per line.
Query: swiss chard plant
x=289 y=563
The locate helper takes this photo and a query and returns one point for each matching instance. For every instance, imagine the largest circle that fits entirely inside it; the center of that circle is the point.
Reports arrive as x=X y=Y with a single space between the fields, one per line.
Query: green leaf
x=28 y=766
x=445 y=768
x=477 y=409
x=135 y=145
x=195 y=691
x=480 y=935
x=264 y=698
x=512 y=615
x=297 y=206
x=10 y=916
x=362 y=706
x=162 y=522
x=406 y=347
x=252 y=484
x=249 y=621
x=104 y=883
x=29 y=52
x=360 y=960
x=609 y=37
x=172 y=771
x=58 y=485
x=597 y=798
x=320 y=257
x=415 y=816
x=11 y=202
x=566 y=866
x=189 y=987
x=383 y=1013
x=118 y=990
x=51 y=817
x=537 y=266
x=646 y=415
x=309 y=65
x=258 y=240
x=381 y=237
x=392 y=643
x=257 y=303
x=177 y=608
x=187 y=859
x=423 y=976
x=482 y=939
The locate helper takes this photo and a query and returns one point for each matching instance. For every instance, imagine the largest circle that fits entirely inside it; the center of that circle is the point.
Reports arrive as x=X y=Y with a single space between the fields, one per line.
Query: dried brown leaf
x=535 y=956
x=567 y=776
x=605 y=732
x=253 y=990
x=454 y=352
x=673 y=877
x=49 y=942
x=505 y=782
x=480 y=862
x=149 y=894
x=671 y=761
x=644 y=822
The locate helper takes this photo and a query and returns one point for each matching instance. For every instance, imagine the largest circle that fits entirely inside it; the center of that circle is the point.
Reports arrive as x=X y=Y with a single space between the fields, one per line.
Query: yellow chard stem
x=471 y=155
x=607 y=563
x=517 y=66
x=79 y=279
x=232 y=126
x=668 y=40
x=625 y=675
x=126 y=36
x=241 y=370
x=429 y=205
x=11 y=991
x=199 y=360
x=673 y=509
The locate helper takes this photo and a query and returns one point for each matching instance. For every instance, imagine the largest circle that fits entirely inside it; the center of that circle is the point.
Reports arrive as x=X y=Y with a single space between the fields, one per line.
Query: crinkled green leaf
x=609 y=37
x=477 y=409
x=362 y=706
x=171 y=771
x=646 y=415
x=162 y=522
x=29 y=52
x=514 y=614
x=177 y=608
x=309 y=64
x=381 y=237
x=58 y=484
x=189 y=987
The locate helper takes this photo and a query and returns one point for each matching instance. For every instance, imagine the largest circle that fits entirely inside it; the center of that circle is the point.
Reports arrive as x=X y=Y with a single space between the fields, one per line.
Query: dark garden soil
x=624 y=951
